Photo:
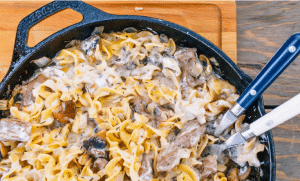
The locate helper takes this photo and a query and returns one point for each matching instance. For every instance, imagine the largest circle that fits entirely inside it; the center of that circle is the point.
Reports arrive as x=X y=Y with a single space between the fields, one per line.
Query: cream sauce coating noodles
x=125 y=105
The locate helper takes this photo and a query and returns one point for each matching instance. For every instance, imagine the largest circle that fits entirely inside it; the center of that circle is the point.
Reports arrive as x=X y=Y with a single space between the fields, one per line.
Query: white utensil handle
x=279 y=115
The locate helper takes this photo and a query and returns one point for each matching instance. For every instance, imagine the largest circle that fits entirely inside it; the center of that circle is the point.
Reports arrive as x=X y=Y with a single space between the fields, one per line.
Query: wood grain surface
x=215 y=20
x=262 y=27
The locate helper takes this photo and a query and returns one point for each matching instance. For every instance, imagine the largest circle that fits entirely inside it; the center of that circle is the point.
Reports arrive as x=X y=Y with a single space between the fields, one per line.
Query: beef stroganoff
x=128 y=105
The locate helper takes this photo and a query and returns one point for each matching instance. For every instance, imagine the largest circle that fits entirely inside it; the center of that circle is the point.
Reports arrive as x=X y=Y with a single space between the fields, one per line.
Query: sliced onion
x=42 y=62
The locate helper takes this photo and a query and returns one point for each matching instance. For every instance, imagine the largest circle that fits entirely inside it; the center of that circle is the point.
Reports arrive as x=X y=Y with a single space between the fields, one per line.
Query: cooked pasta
x=118 y=106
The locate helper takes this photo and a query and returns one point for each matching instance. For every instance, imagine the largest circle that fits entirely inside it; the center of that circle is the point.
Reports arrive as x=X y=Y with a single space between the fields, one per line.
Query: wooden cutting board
x=215 y=20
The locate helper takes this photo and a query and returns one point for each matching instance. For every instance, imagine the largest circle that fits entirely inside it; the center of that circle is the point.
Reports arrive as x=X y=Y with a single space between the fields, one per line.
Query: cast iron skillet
x=22 y=68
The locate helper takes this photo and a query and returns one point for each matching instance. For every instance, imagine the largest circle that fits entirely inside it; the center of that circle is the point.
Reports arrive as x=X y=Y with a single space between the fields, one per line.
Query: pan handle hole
x=51 y=25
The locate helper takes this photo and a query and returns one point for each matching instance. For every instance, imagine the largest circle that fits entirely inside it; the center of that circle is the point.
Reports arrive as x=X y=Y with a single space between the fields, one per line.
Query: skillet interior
x=183 y=37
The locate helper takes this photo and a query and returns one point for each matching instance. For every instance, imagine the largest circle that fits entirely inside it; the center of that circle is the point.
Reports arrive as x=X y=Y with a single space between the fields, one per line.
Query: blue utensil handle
x=279 y=62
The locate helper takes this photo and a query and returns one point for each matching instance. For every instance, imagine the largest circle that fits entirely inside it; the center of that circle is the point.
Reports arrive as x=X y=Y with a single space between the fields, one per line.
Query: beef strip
x=162 y=114
x=208 y=167
x=14 y=130
x=138 y=107
x=99 y=164
x=65 y=111
x=146 y=169
x=187 y=58
x=27 y=97
x=95 y=147
x=190 y=134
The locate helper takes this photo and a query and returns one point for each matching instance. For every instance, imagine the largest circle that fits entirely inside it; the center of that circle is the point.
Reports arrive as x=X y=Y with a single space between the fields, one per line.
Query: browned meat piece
x=14 y=130
x=64 y=112
x=27 y=97
x=146 y=169
x=187 y=58
x=190 y=134
x=95 y=147
x=244 y=172
x=99 y=164
x=137 y=106
x=208 y=167
x=167 y=159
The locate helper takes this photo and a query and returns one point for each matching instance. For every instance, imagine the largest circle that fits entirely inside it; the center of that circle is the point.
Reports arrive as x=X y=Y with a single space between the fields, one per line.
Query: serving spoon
x=279 y=115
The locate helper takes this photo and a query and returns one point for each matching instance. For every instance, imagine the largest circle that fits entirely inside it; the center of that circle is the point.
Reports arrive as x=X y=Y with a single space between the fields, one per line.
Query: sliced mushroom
x=98 y=30
x=14 y=130
x=89 y=45
x=244 y=172
x=95 y=147
x=64 y=112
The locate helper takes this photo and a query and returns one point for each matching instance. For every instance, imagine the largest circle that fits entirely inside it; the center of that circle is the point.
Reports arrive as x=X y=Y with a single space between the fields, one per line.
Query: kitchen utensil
x=278 y=63
x=279 y=115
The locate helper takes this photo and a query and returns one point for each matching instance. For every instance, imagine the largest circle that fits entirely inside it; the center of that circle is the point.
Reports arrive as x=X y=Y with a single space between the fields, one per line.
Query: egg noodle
x=131 y=90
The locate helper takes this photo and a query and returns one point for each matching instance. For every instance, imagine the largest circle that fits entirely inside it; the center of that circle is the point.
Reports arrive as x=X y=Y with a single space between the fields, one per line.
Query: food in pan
x=125 y=105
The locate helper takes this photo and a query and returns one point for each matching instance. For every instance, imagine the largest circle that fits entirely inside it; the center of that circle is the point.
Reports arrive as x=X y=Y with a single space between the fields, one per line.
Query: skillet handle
x=278 y=63
x=21 y=49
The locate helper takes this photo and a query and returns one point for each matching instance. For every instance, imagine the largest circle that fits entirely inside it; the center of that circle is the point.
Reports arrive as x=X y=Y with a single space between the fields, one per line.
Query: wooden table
x=262 y=27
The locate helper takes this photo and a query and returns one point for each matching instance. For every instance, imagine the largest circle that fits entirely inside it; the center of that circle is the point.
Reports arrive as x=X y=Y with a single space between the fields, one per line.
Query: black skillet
x=22 y=67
